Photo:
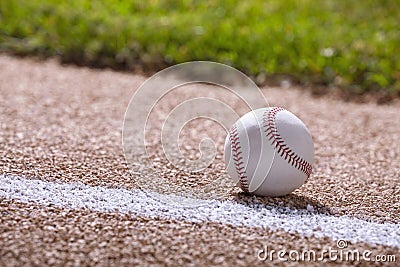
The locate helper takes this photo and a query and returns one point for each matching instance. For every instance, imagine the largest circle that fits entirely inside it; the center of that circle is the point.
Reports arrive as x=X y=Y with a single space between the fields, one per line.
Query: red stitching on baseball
x=238 y=159
x=277 y=141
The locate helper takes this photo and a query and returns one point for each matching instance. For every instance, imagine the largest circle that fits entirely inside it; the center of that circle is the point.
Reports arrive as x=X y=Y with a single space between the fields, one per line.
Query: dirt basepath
x=64 y=123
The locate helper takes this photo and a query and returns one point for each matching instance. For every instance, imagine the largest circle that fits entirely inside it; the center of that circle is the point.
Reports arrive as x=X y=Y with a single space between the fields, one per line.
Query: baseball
x=269 y=152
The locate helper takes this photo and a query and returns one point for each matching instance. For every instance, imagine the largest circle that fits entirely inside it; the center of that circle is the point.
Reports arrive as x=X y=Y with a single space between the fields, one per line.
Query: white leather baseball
x=269 y=152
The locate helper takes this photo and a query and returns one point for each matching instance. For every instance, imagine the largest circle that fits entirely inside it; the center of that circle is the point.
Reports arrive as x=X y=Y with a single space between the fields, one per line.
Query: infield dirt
x=64 y=123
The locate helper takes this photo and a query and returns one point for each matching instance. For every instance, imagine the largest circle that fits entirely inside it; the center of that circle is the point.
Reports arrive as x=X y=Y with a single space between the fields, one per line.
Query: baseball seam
x=279 y=144
x=237 y=156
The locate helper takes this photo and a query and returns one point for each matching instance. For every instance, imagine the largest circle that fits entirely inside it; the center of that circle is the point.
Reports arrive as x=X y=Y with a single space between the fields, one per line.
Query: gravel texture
x=307 y=222
x=44 y=236
x=63 y=123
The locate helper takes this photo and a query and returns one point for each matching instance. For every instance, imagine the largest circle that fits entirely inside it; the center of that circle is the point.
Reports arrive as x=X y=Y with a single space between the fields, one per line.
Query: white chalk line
x=136 y=202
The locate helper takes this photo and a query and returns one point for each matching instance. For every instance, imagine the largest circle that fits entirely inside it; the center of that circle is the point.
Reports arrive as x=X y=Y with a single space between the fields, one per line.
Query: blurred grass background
x=349 y=44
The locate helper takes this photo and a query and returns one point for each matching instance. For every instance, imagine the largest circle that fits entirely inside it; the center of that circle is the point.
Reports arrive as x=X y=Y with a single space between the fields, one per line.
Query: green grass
x=352 y=44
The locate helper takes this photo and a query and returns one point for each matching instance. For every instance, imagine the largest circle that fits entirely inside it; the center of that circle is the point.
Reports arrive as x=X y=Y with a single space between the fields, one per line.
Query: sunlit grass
x=352 y=44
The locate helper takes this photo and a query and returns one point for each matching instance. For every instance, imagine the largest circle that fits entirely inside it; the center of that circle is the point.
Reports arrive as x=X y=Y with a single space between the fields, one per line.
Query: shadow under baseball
x=292 y=201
